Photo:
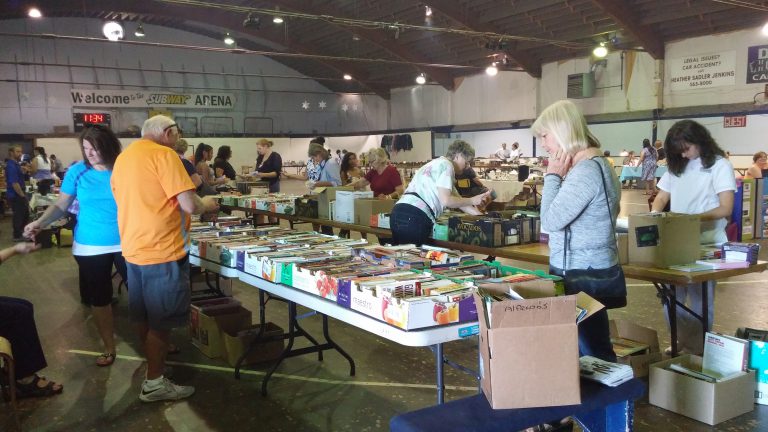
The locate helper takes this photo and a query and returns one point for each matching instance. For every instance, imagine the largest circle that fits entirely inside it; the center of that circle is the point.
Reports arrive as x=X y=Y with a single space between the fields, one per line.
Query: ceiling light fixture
x=277 y=19
x=765 y=29
x=34 y=13
x=139 y=31
x=347 y=77
x=228 y=39
x=492 y=70
x=421 y=79
x=113 y=31
x=600 y=51
x=427 y=11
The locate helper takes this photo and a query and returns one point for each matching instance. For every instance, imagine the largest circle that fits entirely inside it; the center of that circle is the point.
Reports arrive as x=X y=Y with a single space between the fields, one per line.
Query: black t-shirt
x=274 y=163
x=465 y=184
x=229 y=172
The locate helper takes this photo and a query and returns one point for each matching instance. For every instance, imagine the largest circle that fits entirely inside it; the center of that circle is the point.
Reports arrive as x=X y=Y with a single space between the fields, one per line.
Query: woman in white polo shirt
x=700 y=180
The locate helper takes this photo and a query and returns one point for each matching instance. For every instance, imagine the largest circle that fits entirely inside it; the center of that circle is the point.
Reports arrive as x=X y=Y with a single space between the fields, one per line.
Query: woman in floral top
x=430 y=192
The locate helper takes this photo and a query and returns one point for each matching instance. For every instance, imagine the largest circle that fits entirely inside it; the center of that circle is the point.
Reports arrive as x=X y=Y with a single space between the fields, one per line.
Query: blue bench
x=602 y=409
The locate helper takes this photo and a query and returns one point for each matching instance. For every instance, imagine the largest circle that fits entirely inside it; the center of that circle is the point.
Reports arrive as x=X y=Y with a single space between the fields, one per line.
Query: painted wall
x=37 y=107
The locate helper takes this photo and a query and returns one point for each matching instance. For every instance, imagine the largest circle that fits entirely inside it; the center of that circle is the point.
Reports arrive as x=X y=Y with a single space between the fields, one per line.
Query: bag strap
x=431 y=212
x=566 y=244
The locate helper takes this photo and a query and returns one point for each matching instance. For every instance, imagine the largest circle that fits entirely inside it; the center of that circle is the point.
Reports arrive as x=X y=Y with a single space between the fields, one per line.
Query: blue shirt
x=13 y=175
x=97 y=220
x=330 y=171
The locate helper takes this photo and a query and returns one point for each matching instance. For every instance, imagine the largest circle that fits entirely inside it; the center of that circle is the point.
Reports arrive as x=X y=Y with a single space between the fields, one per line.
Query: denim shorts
x=159 y=294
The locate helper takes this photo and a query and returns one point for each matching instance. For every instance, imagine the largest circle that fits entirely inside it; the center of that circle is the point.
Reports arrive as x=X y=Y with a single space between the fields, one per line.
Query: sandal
x=34 y=390
x=105 y=359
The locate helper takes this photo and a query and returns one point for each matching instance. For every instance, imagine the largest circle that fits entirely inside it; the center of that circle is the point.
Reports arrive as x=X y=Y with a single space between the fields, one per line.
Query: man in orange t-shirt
x=155 y=197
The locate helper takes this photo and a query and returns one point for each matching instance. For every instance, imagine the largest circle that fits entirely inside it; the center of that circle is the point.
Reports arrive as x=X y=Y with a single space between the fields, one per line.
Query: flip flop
x=32 y=390
x=105 y=359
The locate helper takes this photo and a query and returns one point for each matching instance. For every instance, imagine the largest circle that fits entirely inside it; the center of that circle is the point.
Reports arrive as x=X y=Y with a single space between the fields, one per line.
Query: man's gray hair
x=155 y=126
x=460 y=147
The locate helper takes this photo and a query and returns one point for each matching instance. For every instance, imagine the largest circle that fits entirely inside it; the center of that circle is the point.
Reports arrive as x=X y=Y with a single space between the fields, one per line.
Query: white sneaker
x=167 y=391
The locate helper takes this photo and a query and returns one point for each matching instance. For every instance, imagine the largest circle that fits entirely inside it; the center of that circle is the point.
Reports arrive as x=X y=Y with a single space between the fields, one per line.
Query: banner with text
x=757 y=67
x=702 y=71
x=150 y=99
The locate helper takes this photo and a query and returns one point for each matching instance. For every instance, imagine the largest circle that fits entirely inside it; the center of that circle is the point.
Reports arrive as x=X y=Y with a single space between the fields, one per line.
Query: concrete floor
x=306 y=395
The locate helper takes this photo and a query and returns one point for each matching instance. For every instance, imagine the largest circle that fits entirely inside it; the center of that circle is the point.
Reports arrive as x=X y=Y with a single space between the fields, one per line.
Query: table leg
x=286 y=351
x=704 y=318
x=344 y=354
x=669 y=299
x=439 y=360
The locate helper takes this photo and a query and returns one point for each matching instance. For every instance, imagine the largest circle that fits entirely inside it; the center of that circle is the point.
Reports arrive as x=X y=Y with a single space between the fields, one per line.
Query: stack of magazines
x=604 y=372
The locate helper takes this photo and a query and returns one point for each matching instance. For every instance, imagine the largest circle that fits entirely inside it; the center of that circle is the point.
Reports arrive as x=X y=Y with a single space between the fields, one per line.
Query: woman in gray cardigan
x=574 y=202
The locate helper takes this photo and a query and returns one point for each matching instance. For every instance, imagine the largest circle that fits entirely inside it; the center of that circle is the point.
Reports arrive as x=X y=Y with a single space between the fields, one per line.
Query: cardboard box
x=664 y=239
x=622 y=243
x=640 y=362
x=758 y=360
x=325 y=196
x=487 y=232
x=529 y=351
x=207 y=325
x=307 y=207
x=711 y=403
x=237 y=342
x=367 y=208
x=345 y=205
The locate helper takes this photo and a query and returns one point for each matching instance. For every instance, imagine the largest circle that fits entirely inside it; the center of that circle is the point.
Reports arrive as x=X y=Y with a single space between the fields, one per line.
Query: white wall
x=487 y=142
x=244 y=149
x=508 y=96
x=37 y=107
x=741 y=92
x=739 y=141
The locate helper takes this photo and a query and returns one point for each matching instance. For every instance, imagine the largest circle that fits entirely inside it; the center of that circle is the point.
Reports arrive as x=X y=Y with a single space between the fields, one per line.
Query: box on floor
x=237 y=341
x=209 y=319
x=707 y=402
x=641 y=361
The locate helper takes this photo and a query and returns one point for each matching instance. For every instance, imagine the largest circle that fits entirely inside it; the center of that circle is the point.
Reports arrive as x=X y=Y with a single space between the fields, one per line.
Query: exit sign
x=735 y=121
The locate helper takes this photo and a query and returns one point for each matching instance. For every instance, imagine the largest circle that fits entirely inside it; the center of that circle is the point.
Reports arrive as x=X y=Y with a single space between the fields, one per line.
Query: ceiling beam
x=449 y=9
x=226 y=20
x=628 y=19
x=381 y=38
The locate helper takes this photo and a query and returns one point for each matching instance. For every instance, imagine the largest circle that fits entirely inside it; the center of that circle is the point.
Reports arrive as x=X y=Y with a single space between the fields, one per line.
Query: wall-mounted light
x=600 y=51
x=765 y=29
x=34 y=13
x=421 y=79
x=347 y=77
x=139 y=31
x=492 y=70
x=228 y=39
x=113 y=31
x=427 y=11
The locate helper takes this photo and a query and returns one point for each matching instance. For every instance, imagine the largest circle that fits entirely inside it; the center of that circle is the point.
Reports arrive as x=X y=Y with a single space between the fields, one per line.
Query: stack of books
x=724 y=357
x=604 y=372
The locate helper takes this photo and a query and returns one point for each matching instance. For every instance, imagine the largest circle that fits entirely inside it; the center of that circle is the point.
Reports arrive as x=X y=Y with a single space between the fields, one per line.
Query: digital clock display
x=84 y=120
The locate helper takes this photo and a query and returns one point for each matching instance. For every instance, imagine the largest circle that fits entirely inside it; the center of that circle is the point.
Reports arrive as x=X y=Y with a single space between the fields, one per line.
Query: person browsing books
x=579 y=205
x=699 y=181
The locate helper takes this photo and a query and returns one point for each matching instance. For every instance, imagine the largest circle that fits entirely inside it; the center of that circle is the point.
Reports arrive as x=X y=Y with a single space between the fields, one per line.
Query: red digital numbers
x=93 y=118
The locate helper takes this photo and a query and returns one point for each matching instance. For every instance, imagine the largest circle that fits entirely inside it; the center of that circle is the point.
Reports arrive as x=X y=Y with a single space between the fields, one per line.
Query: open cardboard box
x=664 y=239
x=529 y=350
x=325 y=196
x=207 y=324
x=707 y=402
x=641 y=361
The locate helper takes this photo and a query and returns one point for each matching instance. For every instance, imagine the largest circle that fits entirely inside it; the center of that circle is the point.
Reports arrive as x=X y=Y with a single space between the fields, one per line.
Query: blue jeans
x=409 y=225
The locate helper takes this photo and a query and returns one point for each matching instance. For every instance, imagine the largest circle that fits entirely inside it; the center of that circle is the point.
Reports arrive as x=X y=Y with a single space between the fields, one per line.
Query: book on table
x=692 y=267
x=720 y=264
x=604 y=372
x=724 y=355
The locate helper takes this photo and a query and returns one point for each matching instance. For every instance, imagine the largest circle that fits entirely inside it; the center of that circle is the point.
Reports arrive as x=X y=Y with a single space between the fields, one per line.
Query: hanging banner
x=149 y=99
x=702 y=71
x=757 y=64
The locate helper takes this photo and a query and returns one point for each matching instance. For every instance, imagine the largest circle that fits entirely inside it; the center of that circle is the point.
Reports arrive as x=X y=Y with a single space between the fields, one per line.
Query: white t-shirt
x=514 y=154
x=503 y=153
x=695 y=192
x=436 y=174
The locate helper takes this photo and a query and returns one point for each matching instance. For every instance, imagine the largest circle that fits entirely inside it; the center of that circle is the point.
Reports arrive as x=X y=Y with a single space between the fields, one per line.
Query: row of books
x=724 y=357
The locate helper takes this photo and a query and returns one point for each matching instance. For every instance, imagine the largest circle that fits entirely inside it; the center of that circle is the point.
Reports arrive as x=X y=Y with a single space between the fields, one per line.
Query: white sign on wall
x=702 y=71
x=150 y=99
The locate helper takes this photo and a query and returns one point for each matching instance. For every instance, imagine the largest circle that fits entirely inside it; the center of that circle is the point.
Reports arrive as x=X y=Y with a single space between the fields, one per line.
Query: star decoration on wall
x=322 y=105
x=354 y=107
x=345 y=107
x=305 y=105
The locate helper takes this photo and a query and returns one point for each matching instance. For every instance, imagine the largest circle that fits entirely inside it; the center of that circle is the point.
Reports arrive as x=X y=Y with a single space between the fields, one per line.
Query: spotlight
x=600 y=51
x=252 y=21
x=139 y=31
x=765 y=29
x=277 y=20
x=113 y=31
x=492 y=70
x=347 y=77
x=427 y=11
x=421 y=79
x=34 y=13
x=228 y=39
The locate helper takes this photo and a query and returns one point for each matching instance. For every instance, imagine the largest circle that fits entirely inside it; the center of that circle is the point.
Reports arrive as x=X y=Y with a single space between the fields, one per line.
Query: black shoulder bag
x=608 y=286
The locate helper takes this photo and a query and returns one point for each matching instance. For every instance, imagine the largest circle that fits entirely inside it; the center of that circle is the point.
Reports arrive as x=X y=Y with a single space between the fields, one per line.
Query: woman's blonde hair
x=181 y=146
x=377 y=155
x=566 y=124
x=265 y=142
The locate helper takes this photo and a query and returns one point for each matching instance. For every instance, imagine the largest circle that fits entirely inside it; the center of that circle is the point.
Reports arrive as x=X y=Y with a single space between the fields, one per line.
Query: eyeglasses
x=172 y=125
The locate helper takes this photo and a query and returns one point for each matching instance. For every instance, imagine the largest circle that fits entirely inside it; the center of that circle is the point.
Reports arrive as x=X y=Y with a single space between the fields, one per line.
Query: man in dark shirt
x=14 y=178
